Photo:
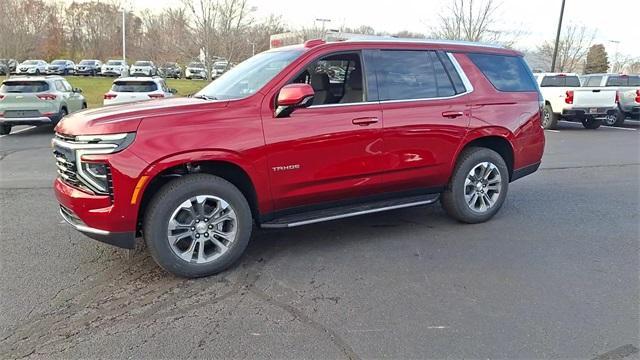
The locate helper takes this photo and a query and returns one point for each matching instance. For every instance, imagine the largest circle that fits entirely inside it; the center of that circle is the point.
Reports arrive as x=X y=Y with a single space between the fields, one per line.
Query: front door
x=331 y=150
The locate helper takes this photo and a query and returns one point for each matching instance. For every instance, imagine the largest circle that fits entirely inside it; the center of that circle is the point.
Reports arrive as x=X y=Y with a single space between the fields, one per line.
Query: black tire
x=5 y=129
x=453 y=198
x=169 y=198
x=37 y=72
x=84 y=105
x=63 y=113
x=614 y=120
x=591 y=123
x=549 y=118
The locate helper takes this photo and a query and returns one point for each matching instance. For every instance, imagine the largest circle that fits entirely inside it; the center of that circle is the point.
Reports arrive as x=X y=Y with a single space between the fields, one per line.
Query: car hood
x=127 y=117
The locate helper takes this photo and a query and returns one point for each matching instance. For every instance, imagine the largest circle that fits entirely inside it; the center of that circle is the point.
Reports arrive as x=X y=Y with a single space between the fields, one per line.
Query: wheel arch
x=164 y=171
x=499 y=142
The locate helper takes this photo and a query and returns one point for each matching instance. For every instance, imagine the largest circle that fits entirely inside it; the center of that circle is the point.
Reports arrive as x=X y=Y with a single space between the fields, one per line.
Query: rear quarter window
x=24 y=86
x=134 y=86
x=505 y=72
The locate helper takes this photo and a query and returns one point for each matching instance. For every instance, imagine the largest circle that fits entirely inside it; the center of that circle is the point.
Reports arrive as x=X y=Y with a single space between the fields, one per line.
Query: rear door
x=424 y=106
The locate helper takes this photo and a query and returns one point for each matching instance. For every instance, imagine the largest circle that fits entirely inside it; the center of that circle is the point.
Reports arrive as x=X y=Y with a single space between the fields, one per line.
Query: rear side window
x=560 y=81
x=506 y=73
x=134 y=86
x=24 y=86
x=406 y=75
x=623 y=80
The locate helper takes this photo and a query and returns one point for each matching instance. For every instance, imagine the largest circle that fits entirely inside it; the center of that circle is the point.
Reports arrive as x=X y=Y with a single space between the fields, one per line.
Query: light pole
x=555 y=48
x=614 y=67
x=253 y=47
x=323 y=21
x=124 y=39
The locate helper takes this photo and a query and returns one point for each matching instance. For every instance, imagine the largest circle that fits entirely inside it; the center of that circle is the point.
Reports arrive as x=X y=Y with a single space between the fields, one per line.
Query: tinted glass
x=406 y=75
x=87 y=62
x=506 y=73
x=560 y=81
x=134 y=86
x=142 y=63
x=623 y=80
x=114 y=62
x=196 y=65
x=24 y=86
x=452 y=72
x=443 y=81
x=593 y=81
x=58 y=62
x=250 y=75
x=31 y=62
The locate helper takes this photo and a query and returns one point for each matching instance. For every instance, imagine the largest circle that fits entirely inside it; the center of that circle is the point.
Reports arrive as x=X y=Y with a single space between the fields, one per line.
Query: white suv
x=132 y=89
x=115 y=68
x=32 y=67
x=143 y=68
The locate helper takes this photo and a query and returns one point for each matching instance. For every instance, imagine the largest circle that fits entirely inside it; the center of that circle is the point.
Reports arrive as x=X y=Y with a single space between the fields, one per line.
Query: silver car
x=32 y=67
x=628 y=87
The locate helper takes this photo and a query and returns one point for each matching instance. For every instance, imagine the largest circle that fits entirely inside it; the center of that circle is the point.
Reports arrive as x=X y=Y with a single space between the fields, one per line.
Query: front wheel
x=197 y=225
x=591 y=123
x=5 y=129
x=478 y=186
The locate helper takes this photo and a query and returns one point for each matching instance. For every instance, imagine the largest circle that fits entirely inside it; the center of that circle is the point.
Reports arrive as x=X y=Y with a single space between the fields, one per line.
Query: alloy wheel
x=202 y=229
x=482 y=187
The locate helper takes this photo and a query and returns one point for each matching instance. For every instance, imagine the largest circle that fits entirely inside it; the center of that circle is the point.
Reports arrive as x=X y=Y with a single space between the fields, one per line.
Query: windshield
x=87 y=62
x=25 y=86
x=196 y=65
x=114 y=62
x=142 y=63
x=560 y=81
x=170 y=65
x=31 y=62
x=134 y=86
x=58 y=62
x=220 y=65
x=249 y=76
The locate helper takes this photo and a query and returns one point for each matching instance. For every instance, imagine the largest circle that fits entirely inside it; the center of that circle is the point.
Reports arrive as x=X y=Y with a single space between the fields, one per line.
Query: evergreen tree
x=597 y=61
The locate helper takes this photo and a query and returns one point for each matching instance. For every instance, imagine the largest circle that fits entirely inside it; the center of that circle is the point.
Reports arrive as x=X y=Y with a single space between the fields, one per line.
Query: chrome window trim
x=463 y=76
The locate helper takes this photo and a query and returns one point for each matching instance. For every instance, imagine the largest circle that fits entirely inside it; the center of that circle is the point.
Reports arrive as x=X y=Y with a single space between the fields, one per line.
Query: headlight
x=95 y=175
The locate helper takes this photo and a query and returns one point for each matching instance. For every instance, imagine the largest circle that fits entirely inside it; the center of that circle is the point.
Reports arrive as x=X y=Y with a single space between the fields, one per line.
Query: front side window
x=505 y=72
x=249 y=76
x=335 y=79
x=60 y=86
x=134 y=86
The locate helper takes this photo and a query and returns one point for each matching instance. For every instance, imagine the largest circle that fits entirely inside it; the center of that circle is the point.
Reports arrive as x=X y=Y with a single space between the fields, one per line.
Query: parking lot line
x=555 y=131
x=619 y=128
x=19 y=131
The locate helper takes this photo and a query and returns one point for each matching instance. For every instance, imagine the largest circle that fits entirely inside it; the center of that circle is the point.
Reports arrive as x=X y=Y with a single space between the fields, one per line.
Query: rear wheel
x=549 y=118
x=616 y=119
x=197 y=225
x=5 y=129
x=478 y=186
x=591 y=123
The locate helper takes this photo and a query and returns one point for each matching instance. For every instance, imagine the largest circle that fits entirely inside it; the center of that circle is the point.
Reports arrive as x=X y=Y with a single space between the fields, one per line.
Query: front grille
x=67 y=169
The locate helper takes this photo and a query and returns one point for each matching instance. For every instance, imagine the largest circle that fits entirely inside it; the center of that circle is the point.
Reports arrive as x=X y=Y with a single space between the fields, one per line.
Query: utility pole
x=323 y=21
x=555 y=48
x=614 y=65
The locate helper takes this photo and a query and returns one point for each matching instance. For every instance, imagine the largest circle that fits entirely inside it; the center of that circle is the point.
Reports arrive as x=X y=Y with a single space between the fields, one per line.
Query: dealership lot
x=554 y=274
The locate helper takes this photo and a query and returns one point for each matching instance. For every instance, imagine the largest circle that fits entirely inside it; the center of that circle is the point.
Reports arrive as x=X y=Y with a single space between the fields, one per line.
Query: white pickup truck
x=566 y=100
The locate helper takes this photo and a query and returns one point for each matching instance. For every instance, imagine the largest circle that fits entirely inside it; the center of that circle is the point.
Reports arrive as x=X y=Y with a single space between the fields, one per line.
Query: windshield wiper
x=206 y=97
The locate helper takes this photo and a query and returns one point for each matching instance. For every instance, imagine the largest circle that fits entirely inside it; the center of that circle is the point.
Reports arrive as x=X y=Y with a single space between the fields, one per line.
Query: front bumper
x=126 y=240
x=42 y=120
x=91 y=215
x=584 y=112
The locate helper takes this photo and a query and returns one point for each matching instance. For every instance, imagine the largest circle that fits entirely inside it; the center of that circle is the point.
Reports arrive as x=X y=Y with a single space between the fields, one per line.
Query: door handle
x=365 y=121
x=452 y=114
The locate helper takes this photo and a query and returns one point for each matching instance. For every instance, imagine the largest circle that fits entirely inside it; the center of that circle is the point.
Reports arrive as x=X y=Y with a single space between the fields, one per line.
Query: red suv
x=299 y=135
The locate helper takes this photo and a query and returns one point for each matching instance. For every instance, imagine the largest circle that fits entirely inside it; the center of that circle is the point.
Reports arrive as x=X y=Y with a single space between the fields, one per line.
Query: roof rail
x=373 y=38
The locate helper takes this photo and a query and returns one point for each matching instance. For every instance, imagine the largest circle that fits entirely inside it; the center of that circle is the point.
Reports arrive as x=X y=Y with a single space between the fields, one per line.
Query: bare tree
x=572 y=49
x=473 y=20
x=22 y=23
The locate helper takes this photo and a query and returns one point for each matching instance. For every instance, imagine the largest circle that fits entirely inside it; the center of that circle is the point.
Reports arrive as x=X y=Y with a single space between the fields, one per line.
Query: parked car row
x=593 y=99
x=114 y=67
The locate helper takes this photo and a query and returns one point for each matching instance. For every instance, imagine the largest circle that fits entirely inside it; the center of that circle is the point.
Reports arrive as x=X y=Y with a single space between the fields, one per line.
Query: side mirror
x=293 y=96
x=77 y=90
x=173 y=91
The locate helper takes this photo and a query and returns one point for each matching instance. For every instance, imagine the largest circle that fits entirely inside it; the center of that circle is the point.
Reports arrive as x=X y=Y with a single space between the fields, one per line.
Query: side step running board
x=342 y=212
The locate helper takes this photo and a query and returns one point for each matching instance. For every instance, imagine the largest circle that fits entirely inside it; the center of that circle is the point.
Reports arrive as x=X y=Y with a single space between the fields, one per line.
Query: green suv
x=39 y=100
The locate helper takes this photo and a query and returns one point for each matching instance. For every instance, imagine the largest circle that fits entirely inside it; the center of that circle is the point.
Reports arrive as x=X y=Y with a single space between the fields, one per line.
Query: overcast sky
x=616 y=20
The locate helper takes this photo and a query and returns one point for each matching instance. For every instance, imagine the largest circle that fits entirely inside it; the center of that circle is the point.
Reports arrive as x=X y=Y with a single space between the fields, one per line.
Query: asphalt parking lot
x=554 y=275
